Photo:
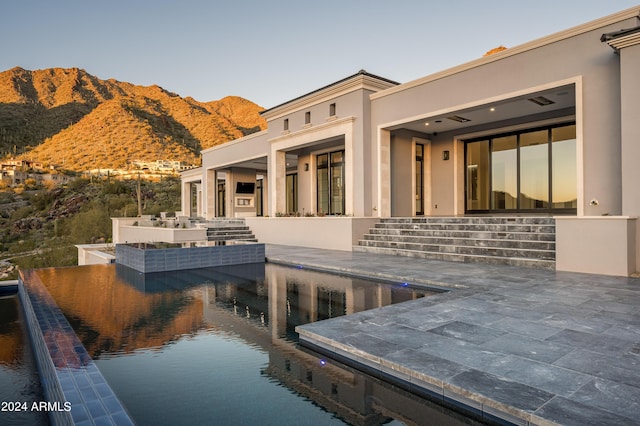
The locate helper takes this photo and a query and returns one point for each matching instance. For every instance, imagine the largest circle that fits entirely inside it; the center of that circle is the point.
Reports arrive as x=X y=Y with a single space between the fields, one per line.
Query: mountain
x=72 y=119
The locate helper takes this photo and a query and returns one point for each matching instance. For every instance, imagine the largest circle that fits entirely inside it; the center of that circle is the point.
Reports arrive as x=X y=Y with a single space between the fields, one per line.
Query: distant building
x=160 y=165
x=18 y=177
x=21 y=165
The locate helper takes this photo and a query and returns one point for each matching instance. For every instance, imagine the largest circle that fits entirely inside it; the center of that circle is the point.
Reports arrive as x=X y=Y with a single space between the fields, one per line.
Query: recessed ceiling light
x=426 y=124
x=492 y=109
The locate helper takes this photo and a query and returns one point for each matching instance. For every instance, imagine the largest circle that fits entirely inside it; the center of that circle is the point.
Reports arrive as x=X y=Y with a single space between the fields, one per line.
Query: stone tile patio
x=524 y=346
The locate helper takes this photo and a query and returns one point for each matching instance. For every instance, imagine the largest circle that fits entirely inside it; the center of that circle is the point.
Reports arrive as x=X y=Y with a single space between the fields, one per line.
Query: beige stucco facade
x=401 y=149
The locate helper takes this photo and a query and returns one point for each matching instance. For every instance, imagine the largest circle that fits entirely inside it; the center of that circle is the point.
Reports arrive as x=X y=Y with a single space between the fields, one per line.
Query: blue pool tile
x=122 y=419
x=95 y=408
x=111 y=403
x=79 y=413
x=103 y=421
x=73 y=396
x=103 y=390
x=74 y=376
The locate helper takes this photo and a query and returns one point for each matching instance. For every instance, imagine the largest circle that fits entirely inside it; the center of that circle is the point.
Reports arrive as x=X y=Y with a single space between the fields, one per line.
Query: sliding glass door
x=528 y=171
x=330 y=182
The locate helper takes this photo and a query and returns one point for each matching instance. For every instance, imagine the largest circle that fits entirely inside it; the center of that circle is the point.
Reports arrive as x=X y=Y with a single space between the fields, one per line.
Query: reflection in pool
x=218 y=345
x=18 y=375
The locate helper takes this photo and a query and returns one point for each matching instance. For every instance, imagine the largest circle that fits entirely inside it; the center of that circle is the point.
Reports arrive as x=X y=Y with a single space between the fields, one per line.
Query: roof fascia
x=234 y=141
x=357 y=82
x=633 y=12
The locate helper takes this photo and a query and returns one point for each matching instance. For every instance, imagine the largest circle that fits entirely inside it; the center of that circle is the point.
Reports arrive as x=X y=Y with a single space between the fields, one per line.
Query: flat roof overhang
x=537 y=105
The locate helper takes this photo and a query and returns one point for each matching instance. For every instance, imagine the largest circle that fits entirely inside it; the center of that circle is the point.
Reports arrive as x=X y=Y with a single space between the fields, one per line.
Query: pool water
x=18 y=374
x=218 y=346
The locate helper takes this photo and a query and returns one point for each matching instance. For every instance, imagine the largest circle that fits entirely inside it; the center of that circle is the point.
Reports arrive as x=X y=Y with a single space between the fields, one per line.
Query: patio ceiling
x=556 y=99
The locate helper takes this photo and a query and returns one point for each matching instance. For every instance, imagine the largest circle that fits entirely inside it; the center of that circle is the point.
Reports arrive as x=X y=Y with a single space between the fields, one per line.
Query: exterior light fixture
x=426 y=124
x=445 y=155
x=306 y=167
x=492 y=109
x=594 y=202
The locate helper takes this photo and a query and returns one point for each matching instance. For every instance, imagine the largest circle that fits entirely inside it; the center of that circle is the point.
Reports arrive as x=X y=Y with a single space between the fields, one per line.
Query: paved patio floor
x=523 y=345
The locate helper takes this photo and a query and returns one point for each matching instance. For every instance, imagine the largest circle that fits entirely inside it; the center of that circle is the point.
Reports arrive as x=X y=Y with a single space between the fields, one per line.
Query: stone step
x=228 y=229
x=467 y=234
x=457 y=257
x=461 y=249
x=472 y=219
x=222 y=237
x=250 y=239
x=464 y=241
x=512 y=240
x=457 y=226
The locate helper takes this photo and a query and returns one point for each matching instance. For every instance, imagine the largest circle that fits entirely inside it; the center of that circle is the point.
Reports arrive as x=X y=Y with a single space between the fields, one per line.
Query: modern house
x=547 y=129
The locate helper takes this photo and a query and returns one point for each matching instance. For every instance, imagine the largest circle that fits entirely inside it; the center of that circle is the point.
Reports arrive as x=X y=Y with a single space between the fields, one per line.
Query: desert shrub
x=21 y=213
x=78 y=184
x=89 y=225
x=115 y=187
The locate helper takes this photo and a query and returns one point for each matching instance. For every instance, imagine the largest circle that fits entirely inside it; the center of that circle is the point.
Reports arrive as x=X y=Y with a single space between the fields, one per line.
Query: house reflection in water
x=116 y=311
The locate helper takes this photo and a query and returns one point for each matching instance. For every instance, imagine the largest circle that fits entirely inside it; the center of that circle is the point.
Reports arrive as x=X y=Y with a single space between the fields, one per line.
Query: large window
x=222 y=197
x=330 y=182
x=292 y=193
x=533 y=170
x=419 y=179
x=259 y=197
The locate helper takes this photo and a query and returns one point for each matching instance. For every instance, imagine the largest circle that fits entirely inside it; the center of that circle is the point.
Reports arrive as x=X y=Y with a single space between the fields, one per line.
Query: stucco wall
x=236 y=175
x=598 y=245
x=401 y=174
x=91 y=254
x=630 y=88
x=332 y=233
x=582 y=56
x=124 y=231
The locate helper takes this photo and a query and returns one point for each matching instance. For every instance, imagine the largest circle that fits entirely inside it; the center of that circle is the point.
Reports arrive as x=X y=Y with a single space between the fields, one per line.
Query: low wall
x=605 y=245
x=91 y=254
x=124 y=232
x=332 y=233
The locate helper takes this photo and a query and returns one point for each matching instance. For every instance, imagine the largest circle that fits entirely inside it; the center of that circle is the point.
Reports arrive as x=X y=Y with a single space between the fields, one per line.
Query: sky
x=272 y=51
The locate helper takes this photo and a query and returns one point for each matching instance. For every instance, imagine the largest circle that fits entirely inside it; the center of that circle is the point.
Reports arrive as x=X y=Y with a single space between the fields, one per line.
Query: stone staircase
x=509 y=240
x=228 y=229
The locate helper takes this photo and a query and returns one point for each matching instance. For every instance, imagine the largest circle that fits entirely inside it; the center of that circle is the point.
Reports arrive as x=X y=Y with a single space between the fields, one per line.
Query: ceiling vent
x=459 y=119
x=541 y=100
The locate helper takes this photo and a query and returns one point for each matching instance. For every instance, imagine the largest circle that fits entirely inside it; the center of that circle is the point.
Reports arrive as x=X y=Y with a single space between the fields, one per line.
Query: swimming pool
x=18 y=375
x=218 y=345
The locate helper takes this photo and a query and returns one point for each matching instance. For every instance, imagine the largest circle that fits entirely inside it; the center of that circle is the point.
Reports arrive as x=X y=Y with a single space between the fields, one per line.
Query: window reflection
x=478 y=175
x=534 y=170
x=504 y=173
x=529 y=170
x=563 y=152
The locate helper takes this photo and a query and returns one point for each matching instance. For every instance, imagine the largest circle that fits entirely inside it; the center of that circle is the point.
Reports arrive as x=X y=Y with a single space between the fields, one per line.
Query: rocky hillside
x=77 y=121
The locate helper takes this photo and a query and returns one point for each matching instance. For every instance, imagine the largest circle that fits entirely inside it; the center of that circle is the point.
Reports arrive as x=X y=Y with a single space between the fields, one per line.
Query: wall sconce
x=306 y=167
x=445 y=155
x=594 y=202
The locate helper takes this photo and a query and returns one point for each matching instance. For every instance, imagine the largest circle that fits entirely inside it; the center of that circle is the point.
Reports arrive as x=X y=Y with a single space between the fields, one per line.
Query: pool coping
x=77 y=392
